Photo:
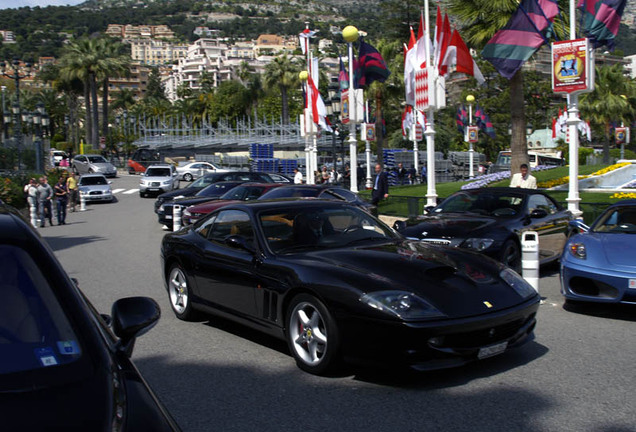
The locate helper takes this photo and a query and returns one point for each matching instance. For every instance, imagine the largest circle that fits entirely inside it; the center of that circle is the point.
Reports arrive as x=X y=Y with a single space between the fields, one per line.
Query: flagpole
x=573 y=198
x=350 y=35
x=470 y=99
x=431 y=194
x=367 y=150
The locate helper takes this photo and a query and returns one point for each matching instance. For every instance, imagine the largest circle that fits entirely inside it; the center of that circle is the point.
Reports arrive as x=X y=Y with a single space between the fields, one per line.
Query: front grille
x=95 y=193
x=154 y=184
x=481 y=337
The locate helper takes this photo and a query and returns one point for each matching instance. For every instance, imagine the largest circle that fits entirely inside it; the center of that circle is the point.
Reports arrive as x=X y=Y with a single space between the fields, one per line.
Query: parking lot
x=578 y=375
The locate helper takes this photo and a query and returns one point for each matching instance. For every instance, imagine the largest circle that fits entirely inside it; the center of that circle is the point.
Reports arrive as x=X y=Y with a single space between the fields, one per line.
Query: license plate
x=632 y=283
x=492 y=350
x=168 y=216
x=153 y=189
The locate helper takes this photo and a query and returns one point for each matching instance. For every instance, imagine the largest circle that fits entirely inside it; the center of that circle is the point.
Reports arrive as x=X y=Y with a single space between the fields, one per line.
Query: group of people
x=40 y=195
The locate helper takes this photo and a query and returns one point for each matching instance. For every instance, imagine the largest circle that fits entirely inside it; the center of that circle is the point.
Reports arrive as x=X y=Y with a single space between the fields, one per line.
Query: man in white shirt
x=523 y=179
x=298 y=176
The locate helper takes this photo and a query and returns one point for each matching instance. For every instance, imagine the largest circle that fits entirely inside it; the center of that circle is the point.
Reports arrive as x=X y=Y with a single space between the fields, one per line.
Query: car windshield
x=215 y=189
x=484 y=203
x=618 y=220
x=158 y=172
x=34 y=331
x=97 y=159
x=243 y=193
x=302 y=229
x=89 y=181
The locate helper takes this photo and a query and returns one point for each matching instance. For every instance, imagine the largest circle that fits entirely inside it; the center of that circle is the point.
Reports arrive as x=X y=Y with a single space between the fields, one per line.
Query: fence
x=411 y=206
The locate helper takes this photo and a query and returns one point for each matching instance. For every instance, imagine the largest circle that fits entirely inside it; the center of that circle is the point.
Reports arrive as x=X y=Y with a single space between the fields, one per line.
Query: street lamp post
x=350 y=35
x=15 y=75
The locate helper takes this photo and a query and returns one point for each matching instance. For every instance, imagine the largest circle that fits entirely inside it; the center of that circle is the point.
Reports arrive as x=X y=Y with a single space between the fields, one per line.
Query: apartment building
x=155 y=52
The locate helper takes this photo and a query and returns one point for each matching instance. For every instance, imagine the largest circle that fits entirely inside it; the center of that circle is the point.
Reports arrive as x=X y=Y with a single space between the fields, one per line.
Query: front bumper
x=438 y=344
x=594 y=284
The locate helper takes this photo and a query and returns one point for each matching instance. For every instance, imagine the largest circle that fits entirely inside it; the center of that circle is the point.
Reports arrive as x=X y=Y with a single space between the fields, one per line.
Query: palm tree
x=611 y=101
x=479 y=20
x=113 y=62
x=283 y=74
x=80 y=60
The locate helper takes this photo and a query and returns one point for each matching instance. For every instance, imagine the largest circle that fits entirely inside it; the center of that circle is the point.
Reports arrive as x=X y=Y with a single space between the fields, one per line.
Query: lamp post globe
x=303 y=75
x=350 y=34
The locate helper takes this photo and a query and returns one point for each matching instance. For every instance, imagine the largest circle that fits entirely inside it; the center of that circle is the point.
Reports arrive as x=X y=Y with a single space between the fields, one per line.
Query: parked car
x=195 y=170
x=64 y=365
x=158 y=179
x=243 y=192
x=599 y=262
x=491 y=221
x=142 y=159
x=92 y=163
x=212 y=192
x=318 y=191
x=280 y=178
x=95 y=187
x=336 y=283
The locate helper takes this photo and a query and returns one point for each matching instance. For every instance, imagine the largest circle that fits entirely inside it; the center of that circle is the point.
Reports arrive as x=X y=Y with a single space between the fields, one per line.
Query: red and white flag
x=304 y=37
x=458 y=55
x=444 y=42
x=317 y=105
x=409 y=69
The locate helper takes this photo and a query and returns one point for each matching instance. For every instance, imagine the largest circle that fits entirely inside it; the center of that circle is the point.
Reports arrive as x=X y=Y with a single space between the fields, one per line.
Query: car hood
x=609 y=250
x=156 y=179
x=186 y=192
x=440 y=275
x=448 y=225
x=103 y=165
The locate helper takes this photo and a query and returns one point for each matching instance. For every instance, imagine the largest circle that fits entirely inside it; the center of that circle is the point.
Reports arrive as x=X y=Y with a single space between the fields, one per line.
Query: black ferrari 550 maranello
x=338 y=284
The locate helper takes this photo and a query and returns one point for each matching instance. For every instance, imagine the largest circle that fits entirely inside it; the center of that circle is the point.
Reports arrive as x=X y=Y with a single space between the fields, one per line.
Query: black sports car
x=491 y=221
x=64 y=366
x=211 y=192
x=338 y=284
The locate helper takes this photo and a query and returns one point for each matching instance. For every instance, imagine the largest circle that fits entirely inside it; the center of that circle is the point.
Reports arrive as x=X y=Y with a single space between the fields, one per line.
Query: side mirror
x=239 y=242
x=428 y=209
x=538 y=213
x=578 y=226
x=132 y=317
x=399 y=225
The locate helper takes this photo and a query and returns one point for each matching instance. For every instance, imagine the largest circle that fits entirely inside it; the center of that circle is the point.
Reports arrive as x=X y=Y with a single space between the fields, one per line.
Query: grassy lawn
x=405 y=200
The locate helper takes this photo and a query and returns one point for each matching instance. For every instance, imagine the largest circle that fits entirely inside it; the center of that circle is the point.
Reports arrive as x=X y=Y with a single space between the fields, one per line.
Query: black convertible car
x=338 y=284
x=63 y=365
x=491 y=221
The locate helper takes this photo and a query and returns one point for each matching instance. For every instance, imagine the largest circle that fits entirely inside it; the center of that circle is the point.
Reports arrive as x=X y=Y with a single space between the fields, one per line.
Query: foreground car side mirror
x=428 y=209
x=132 y=317
x=399 y=225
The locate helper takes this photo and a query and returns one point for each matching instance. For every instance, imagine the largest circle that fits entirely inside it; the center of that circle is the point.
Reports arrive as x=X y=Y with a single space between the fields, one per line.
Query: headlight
x=401 y=304
x=166 y=182
x=161 y=208
x=578 y=250
x=519 y=284
x=186 y=212
x=478 y=244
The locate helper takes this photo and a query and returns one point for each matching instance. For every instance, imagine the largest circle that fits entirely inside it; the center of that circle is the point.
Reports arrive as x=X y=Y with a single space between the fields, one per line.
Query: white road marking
x=118 y=190
x=131 y=191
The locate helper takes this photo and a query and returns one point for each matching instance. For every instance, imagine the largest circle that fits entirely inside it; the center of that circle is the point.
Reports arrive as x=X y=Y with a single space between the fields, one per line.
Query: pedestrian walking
x=61 y=197
x=380 y=185
x=45 y=195
x=71 y=185
x=298 y=176
x=402 y=174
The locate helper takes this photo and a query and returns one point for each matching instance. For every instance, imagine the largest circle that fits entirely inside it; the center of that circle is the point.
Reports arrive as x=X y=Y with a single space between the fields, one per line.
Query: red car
x=244 y=192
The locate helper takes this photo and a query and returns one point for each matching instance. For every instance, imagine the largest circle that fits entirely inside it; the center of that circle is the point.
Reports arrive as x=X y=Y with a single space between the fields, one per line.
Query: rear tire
x=312 y=335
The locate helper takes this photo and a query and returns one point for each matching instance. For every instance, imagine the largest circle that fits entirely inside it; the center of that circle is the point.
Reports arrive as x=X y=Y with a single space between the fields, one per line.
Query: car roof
x=286 y=204
x=160 y=166
x=92 y=175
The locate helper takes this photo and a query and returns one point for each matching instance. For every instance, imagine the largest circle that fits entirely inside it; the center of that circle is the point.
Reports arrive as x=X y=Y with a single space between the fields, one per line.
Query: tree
x=611 y=102
x=155 y=88
x=283 y=74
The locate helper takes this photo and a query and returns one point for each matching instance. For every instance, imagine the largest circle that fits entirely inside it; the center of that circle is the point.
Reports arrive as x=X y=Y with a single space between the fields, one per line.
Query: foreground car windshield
x=620 y=220
x=89 y=181
x=491 y=204
x=34 y=332
x=316 y=228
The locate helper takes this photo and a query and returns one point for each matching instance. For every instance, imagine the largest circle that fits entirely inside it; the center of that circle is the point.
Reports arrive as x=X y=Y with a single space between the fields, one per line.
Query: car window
x=80 y=159
x=225 y=224
x=158 y=172
x=34 y=330
x=237 y=193
x=538 y=201
x=618 y=220
x=96 y=159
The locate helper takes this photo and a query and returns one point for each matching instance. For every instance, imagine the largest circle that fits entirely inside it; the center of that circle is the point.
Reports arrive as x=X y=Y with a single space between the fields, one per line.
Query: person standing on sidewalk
x=71 y=185
x=45 y=194
x=61 y=196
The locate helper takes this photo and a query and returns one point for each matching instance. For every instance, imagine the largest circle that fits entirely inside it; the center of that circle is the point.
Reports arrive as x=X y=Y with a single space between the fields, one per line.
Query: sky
x=6 y=4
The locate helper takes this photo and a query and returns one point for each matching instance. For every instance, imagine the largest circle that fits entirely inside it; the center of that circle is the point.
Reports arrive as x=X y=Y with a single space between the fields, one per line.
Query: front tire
x=187 y=177
x=511 y=255
x=312 y=335
x=179 y=293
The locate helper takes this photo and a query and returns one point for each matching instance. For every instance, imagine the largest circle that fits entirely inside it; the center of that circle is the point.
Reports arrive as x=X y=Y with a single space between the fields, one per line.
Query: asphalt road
x=578 y=375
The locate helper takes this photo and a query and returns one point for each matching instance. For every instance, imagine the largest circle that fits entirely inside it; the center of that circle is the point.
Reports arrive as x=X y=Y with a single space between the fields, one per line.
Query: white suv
x=158 y=179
